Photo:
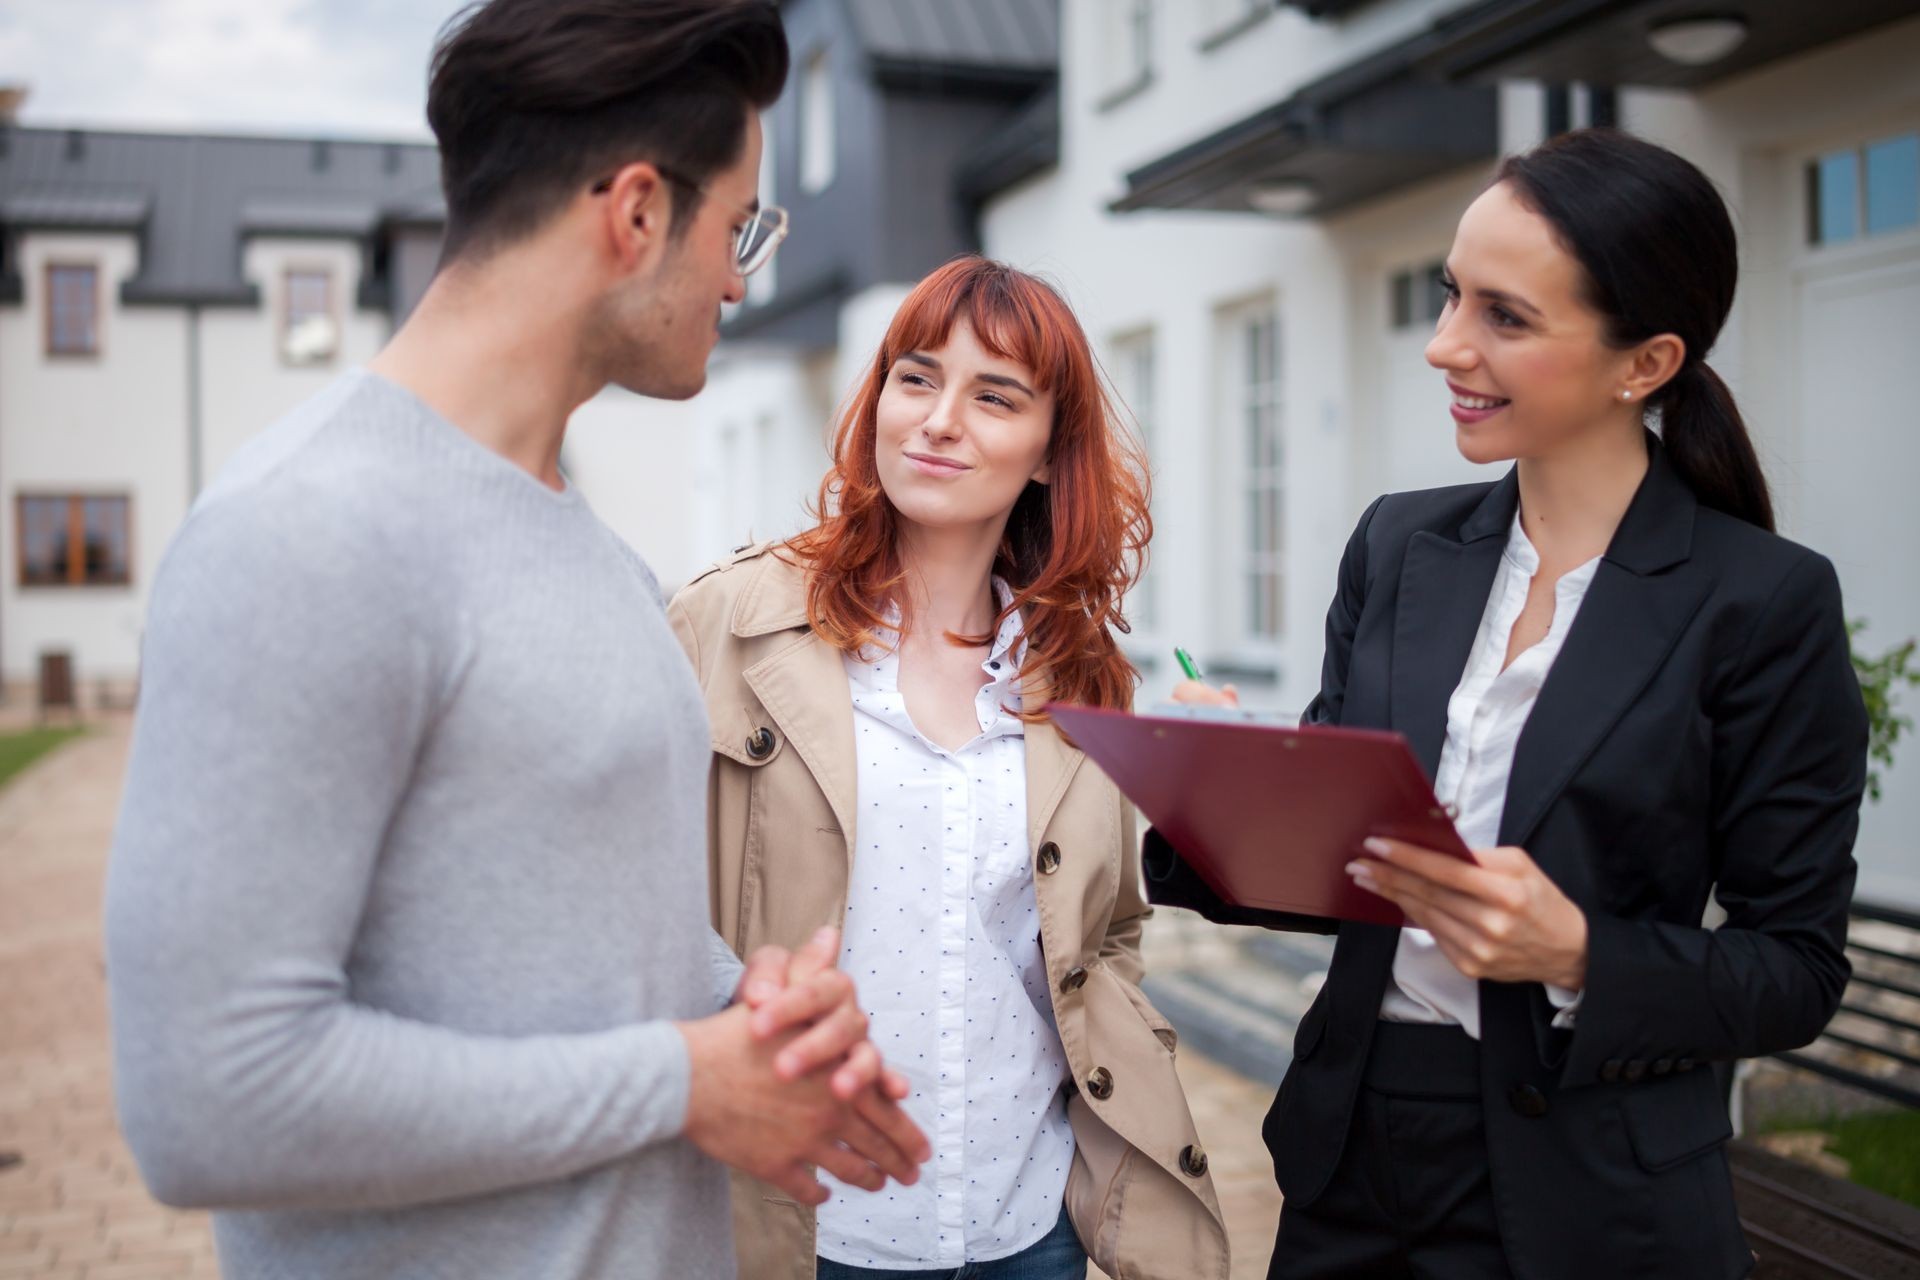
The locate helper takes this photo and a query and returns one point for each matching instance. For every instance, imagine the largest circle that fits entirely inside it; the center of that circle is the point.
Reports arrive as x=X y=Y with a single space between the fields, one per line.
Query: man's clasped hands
x=785 y=1080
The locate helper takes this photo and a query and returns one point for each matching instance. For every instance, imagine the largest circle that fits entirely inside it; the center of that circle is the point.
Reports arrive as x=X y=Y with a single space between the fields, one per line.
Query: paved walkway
x=73 y=1208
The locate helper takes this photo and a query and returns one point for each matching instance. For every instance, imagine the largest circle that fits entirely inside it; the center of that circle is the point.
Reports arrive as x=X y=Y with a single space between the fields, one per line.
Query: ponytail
x=1707 y=442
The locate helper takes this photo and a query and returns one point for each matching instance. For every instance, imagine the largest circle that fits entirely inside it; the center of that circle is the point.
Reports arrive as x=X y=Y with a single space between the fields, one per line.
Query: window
x=1864 y=191
x=73 y=309
x=1254 y=430
x=1127 y=54
x=1133 y=383
x=1416 y=296
x=1893 y=184
x=762 y=284
x=308 y=333
x=816 y=125
x=74 y=540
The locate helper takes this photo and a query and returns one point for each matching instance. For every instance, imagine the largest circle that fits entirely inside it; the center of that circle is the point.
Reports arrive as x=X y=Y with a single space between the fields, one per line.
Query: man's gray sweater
x=410 y=874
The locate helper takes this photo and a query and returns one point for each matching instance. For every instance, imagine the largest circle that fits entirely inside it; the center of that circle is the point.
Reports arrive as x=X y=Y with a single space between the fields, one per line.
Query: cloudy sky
x=352 y=67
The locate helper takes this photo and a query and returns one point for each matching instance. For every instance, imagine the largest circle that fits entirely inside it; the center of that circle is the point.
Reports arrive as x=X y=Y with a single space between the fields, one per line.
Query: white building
x=1291 y=180
x=163 y=297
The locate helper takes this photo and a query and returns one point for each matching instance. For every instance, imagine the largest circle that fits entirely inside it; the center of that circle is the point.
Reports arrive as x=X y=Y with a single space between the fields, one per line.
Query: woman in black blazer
x=1641 y=698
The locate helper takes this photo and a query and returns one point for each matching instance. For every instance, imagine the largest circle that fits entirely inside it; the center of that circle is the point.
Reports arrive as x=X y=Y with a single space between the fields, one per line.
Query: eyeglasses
x=753 y=243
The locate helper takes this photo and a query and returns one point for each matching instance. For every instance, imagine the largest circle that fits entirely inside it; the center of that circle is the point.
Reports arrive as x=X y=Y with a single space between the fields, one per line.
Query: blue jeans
x=1055 y=1256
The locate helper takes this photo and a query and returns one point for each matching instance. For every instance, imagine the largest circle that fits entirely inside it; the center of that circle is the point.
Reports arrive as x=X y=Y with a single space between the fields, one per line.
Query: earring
x=1626 y=395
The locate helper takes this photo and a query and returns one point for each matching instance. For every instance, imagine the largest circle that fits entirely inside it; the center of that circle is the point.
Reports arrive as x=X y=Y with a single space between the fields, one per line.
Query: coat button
x=1100 y=1084
x=1193 y=1161
x=1048 y=860
x=1663 y=1066
x=1610 y=1070
x=1636 y=1071
x=1527 y=1100
x=760 y=743
x=1684 y=1064
x=1075 y=979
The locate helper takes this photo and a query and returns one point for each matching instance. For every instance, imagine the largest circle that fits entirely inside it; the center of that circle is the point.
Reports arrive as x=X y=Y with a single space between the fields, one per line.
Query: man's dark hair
x=535 y=100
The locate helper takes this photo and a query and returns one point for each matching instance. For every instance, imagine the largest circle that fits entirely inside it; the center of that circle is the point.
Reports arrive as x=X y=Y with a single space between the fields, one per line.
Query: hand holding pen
x=1194 y=691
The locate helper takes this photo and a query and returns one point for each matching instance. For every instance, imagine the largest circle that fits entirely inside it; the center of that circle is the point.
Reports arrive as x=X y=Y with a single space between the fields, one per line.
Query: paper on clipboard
x=1269 y=816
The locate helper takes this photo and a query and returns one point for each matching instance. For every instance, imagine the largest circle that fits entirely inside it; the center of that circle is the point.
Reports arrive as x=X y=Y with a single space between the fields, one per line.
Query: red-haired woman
x=883 y=763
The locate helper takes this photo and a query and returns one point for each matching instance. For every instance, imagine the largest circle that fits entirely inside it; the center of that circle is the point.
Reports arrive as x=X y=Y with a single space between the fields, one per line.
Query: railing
x=1803 y=1223
x=1873 y=1043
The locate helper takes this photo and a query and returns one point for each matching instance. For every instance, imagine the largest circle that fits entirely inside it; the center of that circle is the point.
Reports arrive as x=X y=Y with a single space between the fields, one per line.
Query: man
x=406 y=914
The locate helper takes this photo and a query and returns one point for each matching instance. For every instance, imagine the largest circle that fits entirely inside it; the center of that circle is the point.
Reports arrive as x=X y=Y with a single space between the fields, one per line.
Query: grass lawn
x=1881 y=1148
x=18 y=750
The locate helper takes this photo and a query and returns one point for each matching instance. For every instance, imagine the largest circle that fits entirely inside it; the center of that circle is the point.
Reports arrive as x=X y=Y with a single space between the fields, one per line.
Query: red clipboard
x=1269 y=817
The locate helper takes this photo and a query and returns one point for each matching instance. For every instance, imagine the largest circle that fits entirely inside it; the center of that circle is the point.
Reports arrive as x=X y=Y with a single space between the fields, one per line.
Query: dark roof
x=1001 y=34
x=195 y=198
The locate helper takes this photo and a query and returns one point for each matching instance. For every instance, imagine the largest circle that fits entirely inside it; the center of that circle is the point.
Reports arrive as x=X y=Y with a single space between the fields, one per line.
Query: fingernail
x=1356 y=869
x=1368 y=883
x=823 y=935
x=1377 y=847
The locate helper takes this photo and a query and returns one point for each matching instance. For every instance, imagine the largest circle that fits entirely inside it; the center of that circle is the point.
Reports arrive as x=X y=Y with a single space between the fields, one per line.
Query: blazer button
x=1527 y=1100
x=1636 y=1071
x=1048 y=860
x=1075 y=979
x=1610 y=1070
x=1100 y=1083
x=1684 y=1064
x=760 y=743
x=1663 y=1066
x=1193 y=1161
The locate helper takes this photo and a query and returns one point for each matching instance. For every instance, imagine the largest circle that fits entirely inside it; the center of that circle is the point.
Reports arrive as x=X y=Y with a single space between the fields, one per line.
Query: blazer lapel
x=1444 y=583
x=1639 y=603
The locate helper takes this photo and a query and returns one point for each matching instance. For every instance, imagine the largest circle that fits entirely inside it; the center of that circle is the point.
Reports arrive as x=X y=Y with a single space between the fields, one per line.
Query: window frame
x=1860 y=238
x=76 y=501
x=1133 y=351
x=818 y=161
x=1126 y=51
x=331 y=311
x=1239 y=395
x=48 y=346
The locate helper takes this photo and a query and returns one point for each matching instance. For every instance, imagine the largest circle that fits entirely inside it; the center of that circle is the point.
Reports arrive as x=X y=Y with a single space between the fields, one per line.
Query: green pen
x=1187 y=664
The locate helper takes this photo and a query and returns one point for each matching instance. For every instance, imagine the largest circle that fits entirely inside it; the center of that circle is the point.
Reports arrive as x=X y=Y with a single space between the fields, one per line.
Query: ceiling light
x=1697 y=41
x=1287 y=198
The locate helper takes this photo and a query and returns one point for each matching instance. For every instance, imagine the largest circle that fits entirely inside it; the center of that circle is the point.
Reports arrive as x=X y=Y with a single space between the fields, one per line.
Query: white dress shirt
x=1488 y=710
x=943 y=940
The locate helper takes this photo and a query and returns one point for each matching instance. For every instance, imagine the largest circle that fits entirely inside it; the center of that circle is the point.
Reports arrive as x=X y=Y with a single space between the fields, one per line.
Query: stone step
x=1241 y=1007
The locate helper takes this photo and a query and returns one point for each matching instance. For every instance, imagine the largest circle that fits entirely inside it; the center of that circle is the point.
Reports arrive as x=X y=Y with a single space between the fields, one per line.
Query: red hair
x=1071 y=549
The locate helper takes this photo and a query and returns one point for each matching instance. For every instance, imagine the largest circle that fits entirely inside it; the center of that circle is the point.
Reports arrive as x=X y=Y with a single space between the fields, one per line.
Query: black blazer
x=1701 y=730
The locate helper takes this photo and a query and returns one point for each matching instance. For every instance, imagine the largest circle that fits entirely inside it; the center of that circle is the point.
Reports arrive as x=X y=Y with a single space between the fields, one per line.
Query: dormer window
x=816 y=125
x=73 y=309
x=309 y=334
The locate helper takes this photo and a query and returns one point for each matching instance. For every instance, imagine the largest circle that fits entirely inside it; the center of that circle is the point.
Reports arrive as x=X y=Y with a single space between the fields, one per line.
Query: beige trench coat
x=781 y=810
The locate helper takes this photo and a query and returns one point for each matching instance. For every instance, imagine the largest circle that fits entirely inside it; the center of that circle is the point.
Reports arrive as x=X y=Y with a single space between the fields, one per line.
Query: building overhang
x=56 y=210
x=1610 y=42
x=1369 y=129
x=803 y=314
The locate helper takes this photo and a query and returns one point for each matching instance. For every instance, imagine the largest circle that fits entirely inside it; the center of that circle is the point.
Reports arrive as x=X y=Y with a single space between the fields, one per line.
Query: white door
x=1857 y=312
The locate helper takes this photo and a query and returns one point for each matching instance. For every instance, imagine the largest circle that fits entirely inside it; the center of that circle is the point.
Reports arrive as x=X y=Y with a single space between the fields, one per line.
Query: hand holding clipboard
x=1269 y=817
